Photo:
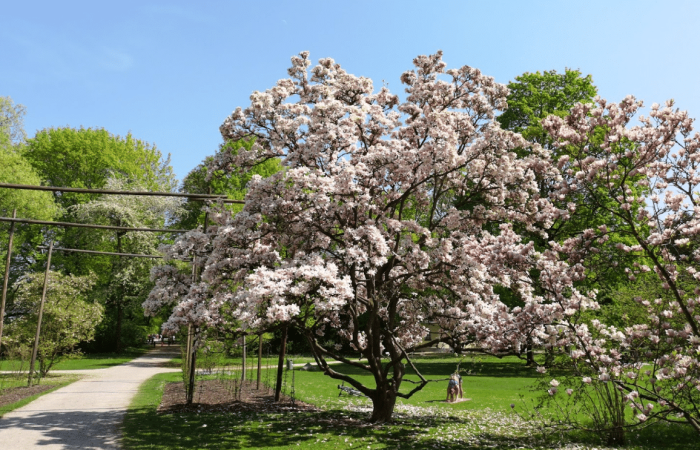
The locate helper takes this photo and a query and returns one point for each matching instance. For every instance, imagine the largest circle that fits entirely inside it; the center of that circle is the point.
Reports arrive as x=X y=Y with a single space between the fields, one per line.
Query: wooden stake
x=41 y=313
x=7 y=276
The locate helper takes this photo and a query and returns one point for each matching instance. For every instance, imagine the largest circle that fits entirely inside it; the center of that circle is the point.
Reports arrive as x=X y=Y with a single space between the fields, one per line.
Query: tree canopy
x=535 y=96
x=12 y=120
x=358 y=232
x=233 y=185
x=94 y=158
x=16 y=169
x=86 y=158
x=68 y=317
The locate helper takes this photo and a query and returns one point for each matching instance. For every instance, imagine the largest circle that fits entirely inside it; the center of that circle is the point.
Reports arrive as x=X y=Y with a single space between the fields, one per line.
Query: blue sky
x=170 y=72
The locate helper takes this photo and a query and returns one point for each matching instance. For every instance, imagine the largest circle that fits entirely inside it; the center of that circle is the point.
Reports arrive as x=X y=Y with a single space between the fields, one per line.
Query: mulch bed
x=15 y=394
x=215 y=395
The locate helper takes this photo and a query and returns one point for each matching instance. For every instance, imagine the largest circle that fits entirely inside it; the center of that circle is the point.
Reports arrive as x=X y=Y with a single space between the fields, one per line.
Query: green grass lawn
x=87 y=361
x=494 y=384
x=422 y=422
x=8 y=381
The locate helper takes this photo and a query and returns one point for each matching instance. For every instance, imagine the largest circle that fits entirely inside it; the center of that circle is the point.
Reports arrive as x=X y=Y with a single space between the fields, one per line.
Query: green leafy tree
x=94 y=158
x=29 y=204
x=16 y=169
x=86 y=158
x=535 y=96
x=532 y=98
x=12 y=120
x=233 y=186
x=128 y=279
x=68 y=318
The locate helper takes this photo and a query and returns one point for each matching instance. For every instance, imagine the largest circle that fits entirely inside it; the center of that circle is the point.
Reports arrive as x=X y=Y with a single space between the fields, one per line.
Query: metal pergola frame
x=191 y=352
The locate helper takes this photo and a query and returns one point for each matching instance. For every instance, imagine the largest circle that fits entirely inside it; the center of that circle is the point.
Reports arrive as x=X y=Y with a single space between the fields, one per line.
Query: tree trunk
x=549 y=357
x=280 y=365
x=616 y=436
x=530 y=354
x=120 y=309
x=383 y=402
x=120 y=314
x=192 y=369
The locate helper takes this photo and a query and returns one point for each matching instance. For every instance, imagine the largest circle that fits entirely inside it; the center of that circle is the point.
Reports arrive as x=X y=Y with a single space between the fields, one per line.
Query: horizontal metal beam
x=201 y=197
x=94 y=252
x=85 y=225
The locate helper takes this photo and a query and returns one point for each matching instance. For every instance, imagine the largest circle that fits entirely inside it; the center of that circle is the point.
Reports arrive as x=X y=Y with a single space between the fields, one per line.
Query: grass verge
x=86 y=361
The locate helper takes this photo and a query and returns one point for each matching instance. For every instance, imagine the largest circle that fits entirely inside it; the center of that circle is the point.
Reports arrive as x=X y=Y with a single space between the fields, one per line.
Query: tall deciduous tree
x=68 y=318
x=127 y=283
x=200 y=181
x=90 y=158
x=15 y=169
x=359 y=232
x=531 y=99
x=535 y=96
x=12 y=120
x=87 y=157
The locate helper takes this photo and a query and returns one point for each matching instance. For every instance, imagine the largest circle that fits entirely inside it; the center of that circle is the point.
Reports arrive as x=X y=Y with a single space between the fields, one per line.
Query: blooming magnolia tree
x=360 y=233
x=653 y=363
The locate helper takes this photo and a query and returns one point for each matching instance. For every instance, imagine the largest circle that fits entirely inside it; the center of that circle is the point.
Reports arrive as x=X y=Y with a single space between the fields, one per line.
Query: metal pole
x=41 y=313
x=244 y=355
x=260 y=345
x=95 y=252
x=7 y=276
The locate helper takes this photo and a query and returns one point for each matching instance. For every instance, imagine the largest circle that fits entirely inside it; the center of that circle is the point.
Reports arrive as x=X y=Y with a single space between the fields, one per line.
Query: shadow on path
x=86 y=414
x=93 y=429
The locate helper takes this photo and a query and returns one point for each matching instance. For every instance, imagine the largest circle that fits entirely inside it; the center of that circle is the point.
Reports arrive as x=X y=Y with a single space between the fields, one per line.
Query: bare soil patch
x=15 y=394
x=221 y=396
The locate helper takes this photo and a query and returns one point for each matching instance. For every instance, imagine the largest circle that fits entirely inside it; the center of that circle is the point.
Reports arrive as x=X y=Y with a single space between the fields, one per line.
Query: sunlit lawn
x=494 y=384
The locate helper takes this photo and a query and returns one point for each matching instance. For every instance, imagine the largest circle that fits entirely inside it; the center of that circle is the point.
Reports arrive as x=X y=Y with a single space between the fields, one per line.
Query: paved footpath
x=86 y=414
